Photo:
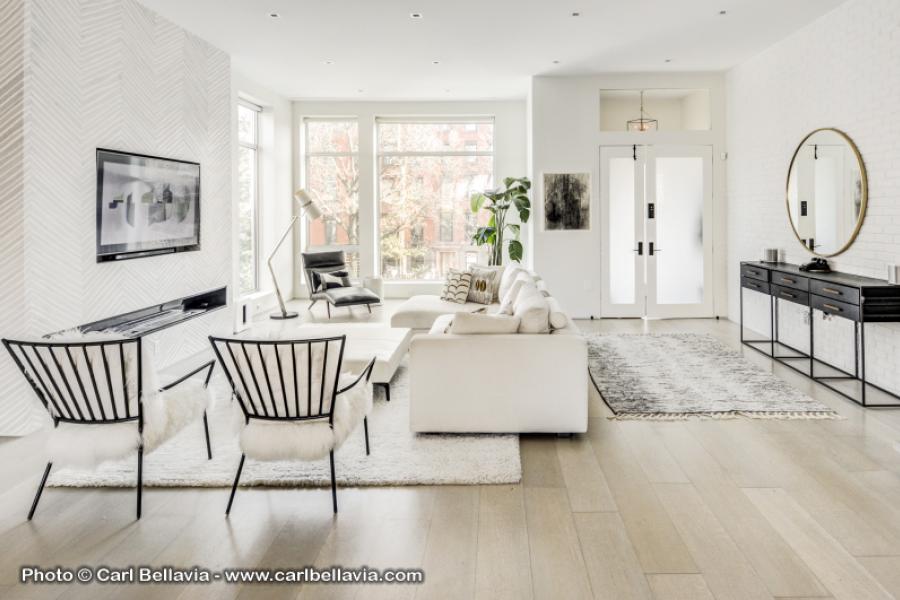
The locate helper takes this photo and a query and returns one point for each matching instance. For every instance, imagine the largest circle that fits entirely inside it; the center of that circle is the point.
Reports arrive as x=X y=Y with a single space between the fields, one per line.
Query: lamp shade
x=307 y=205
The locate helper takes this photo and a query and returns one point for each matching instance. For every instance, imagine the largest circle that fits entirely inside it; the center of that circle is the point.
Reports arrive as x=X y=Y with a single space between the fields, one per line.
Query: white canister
x=770 y=255
x=894 y=274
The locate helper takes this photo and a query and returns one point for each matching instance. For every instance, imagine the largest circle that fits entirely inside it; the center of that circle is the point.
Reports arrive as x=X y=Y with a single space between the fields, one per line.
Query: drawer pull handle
x=753 y=285
x=788 y=280
x=832 y=291
x=833 y=307
x=787 y=295
x=752 y=272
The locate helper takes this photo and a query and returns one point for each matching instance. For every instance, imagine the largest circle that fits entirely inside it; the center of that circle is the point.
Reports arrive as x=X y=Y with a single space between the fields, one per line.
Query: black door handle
x=640 y=249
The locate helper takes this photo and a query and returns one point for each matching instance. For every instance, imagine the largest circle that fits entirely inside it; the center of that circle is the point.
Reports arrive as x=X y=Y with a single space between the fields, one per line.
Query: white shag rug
x=398 y=456
x=674 y=376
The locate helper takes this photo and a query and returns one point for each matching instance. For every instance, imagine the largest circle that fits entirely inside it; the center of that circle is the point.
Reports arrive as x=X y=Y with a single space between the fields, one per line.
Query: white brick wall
x=843 y=70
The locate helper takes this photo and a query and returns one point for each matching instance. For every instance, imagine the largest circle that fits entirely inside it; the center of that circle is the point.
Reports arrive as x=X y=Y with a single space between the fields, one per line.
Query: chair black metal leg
x=369 y=306
x=328 y=306
x=206 y=431
x=234 y=486
x=311 y=304
x=140 y=479
x=387 y=392
x=366 y=430
x=333 y=483
x=40 y=490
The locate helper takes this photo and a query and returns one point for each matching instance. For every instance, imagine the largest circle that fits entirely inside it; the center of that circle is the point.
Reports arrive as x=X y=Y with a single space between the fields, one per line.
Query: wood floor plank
x=557 y=565
x=842 y=575
x=657 y=543
x=540 y=464
x=651 y=453
x=504 y=563
x=679 y=587
x=585 y=482
x=885 y=569
x=613 y=567
x=452 y=544
x=726 y=570
x=779 y=567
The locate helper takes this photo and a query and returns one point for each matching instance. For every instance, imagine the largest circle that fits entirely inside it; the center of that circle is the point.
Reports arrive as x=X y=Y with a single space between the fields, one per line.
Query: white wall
x=843 y=71
x=509 y=161
x=275 y=190
x=565 y=137
x=113 y=74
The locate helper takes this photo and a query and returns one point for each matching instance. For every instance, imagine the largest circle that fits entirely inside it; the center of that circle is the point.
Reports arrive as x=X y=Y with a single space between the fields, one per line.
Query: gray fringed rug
x=398 y=457
x=675 y=376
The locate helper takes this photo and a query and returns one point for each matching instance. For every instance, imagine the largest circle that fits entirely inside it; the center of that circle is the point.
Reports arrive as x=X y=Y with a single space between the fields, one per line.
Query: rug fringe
x=723 y=415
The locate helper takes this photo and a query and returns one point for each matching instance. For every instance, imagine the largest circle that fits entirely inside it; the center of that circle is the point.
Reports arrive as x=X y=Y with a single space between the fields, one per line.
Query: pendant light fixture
x=644 y=123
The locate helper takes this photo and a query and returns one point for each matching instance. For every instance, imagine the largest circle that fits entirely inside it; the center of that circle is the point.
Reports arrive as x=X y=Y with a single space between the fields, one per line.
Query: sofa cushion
x=476 y=323
x=558 y=319
x=485 y=282
x=523 y=279
x=420 y=312
x=350 y=296
x=442 y=324
x=456 y=287
x=507 y=279
x=532 y=308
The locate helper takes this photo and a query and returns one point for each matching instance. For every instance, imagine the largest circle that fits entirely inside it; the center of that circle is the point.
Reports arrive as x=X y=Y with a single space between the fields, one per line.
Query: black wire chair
x=90 y=383
x=287 y=381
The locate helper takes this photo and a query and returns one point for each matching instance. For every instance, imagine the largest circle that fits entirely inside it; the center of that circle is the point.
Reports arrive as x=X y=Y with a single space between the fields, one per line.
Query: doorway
x=656 y=204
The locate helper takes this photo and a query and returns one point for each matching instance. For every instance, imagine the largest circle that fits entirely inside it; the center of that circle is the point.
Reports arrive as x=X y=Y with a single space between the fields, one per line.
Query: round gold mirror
x=827 y=191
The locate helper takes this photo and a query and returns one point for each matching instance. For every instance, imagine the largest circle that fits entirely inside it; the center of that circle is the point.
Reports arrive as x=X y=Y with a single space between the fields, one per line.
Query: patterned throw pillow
x=456 y=288
x=485 y=281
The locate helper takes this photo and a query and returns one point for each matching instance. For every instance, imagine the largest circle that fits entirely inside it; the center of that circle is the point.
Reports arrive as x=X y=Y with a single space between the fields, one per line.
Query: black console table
x=860 y=299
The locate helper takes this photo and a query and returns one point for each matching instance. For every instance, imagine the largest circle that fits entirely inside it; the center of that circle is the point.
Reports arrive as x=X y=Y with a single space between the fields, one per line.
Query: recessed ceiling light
x=416 y=15
x=329 y=62
x=555 y=62
x=360 y=91
x=668 y=60
x=576 y=14
x=723 y=12
x=274 y=15
x=435 y=62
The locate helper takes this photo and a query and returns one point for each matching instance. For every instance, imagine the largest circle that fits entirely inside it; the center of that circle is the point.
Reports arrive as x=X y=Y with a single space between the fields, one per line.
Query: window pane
x=621 y=231
x=426 y=222
x=332 y=136
x=333 y=183
x=679 y=230
x=247 y=118
x=246 y=219
x=435 y=137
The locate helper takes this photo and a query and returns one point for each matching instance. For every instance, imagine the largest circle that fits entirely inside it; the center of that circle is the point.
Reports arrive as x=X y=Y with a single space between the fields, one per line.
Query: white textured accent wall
x=843 y=70
x=113 y=74
x=15 y=415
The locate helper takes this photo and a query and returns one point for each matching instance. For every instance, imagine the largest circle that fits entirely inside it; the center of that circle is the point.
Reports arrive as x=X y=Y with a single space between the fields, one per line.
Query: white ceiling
x=485 y=48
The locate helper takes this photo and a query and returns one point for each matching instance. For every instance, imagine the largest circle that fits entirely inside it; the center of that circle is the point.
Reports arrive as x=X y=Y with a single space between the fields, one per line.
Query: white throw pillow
x=558 y=319
x=507 y=279
x=441 y=324
x=509 y=300
x=469 y=323
x=456 y=288
x=532 y=308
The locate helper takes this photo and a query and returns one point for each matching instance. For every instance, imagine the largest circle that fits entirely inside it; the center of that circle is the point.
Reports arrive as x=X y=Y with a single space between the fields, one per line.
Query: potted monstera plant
x=498 y=234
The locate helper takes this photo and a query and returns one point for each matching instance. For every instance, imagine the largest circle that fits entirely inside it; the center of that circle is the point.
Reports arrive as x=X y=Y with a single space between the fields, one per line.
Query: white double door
x=656 y=204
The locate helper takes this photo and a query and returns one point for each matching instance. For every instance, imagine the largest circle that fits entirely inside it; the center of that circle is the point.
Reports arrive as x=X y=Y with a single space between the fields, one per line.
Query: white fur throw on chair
x=165 y=412
x=310 y=440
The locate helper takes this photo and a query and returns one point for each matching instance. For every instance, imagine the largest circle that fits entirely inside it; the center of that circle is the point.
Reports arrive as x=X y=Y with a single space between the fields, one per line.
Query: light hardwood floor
x=686 y=510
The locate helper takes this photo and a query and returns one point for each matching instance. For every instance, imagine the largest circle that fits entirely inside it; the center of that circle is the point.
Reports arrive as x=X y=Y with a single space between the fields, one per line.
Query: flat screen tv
x=146 y=205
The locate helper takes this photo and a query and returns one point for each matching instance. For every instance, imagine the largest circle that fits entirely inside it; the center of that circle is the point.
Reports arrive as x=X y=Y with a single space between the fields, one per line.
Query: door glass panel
x=621 y=231
x=679 y=230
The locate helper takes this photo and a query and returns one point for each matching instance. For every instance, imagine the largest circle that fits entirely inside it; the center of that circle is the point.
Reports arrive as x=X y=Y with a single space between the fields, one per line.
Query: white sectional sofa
x=493 y=383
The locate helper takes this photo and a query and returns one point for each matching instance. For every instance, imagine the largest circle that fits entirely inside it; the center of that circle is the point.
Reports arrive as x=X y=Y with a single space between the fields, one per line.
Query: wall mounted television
x=146 y=205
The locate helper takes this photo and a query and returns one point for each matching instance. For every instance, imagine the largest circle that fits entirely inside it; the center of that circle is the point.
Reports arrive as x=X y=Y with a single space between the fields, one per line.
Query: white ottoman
x=366 y=340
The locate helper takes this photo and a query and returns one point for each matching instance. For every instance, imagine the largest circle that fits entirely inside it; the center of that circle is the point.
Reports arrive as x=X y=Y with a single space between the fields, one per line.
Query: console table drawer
x=831 y=290
x=790 y=294
x=834 y=307
x=755 y=284
x=754 y=273
x=790 y=280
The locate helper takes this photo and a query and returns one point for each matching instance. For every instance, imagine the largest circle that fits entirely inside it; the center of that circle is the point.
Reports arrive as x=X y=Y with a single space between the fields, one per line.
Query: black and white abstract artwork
x=567 y=201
